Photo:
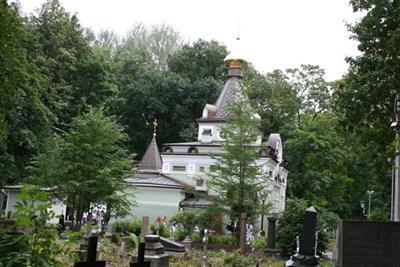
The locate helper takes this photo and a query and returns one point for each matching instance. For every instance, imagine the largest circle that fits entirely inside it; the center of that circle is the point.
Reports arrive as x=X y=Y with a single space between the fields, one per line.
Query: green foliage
x=259 y=242
x=89 y=163
x=364 y=98
x=162 y=231
x=181 y=233
x=223 y=239
x=37 y=244
x=132 y=226
x=237 y=178
x=234 y=260
x=291 y=225
x=321 y=176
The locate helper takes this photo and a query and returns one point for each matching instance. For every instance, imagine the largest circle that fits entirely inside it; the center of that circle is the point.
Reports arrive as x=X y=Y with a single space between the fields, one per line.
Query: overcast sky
x=275 y=34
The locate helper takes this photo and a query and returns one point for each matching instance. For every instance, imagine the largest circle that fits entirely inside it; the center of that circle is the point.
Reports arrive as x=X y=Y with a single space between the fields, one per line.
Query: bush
x=233 y=259
x=291 y=225
x=180 y=234
x=163 y=231
x=133 y=227
x=222 y=239
x=259 y=242
x=132 y=242
x=37 y=244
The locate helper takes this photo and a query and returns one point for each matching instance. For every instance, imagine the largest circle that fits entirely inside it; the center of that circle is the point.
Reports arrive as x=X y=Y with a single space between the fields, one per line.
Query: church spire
x=151 y=161
x=235 y=59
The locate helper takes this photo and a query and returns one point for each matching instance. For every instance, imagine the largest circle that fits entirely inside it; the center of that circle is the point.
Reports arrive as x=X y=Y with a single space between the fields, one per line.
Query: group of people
x=233 y=226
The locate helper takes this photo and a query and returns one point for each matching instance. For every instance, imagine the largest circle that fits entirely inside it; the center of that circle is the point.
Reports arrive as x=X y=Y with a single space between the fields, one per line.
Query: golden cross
x=155 y=124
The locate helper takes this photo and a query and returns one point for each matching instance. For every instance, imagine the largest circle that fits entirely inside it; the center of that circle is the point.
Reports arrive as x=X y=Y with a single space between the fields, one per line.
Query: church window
x=179 y=168
x=213 y=168
x=199 y=182
x=193 y=150
x=168 y=149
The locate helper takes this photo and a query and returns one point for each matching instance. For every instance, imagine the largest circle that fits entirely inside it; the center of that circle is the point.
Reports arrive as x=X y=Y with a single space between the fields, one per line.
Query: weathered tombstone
x=140 y=257
x=91 y=255
x=306 y=255
x=145 y=230
x=172 y=246
x=154 y=252
x=367 y=244
x=242 y=236
x=187 y=242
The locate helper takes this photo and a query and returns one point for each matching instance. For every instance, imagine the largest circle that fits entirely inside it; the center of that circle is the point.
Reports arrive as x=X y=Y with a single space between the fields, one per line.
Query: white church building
x=186 y=164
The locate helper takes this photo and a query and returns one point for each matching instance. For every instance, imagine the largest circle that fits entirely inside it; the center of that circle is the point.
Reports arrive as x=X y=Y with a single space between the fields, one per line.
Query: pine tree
x=236 y=176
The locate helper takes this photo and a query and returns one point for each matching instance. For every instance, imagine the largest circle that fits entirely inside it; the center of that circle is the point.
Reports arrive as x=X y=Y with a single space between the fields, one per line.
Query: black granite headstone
x=271 y=232
x=368 y=244
x=306 y=255
x=307 y=238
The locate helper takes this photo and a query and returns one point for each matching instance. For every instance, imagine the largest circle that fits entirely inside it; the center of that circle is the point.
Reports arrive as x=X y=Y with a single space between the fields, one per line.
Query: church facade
x=186 y=164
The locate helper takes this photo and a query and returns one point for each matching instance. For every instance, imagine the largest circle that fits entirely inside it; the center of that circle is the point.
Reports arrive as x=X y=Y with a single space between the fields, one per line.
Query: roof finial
x=155 y=124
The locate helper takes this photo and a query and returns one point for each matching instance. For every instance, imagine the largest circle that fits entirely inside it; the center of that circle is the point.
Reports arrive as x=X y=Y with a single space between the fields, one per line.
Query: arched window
x=168 y=149
x=193 y=150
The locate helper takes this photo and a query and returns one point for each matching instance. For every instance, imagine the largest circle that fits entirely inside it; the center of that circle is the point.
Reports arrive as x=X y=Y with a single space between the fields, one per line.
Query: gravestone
x=154 y=252
x=271 y=232
x=91 y=255
x=172 y=246
x=306 y=255
x=367 y=244
x=145 y=230
x=140 y=257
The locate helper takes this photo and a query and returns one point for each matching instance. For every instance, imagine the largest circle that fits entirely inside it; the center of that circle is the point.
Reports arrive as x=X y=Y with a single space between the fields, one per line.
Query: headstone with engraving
x=306 y=255
x=367 y=244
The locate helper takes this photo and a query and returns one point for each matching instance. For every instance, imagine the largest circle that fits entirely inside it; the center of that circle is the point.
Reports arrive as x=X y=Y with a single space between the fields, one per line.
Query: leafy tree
x=321 y=175
x=237 y=178
x=88 y=164
x=364 y=98
x=153 y=43
x=275 y=100
x=24 y=119
x=77 y=77
x=312 y=90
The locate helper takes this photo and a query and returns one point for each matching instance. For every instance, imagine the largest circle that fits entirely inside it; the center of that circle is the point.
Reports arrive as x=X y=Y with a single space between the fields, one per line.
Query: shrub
x=125 y=226
x=222 y=239
x=259 y=242
x=37 y=245
x=291 y=225
x=180 y=234
x=233 y=259
x=163 y=231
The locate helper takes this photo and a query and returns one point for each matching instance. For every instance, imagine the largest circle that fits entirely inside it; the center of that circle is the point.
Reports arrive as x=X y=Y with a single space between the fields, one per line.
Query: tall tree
x=365 y=97
x=153 y=43
x=24 y=120
x=78 y=78
x=87 y=164
x=237 y=176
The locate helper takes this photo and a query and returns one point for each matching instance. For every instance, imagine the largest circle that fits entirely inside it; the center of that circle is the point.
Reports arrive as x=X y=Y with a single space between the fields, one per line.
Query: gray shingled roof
x=230 y=93
x=154 y=180
x=151 y=161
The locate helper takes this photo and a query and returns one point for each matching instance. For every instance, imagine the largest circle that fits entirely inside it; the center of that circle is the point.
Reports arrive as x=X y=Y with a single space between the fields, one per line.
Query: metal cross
x=155 y=124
